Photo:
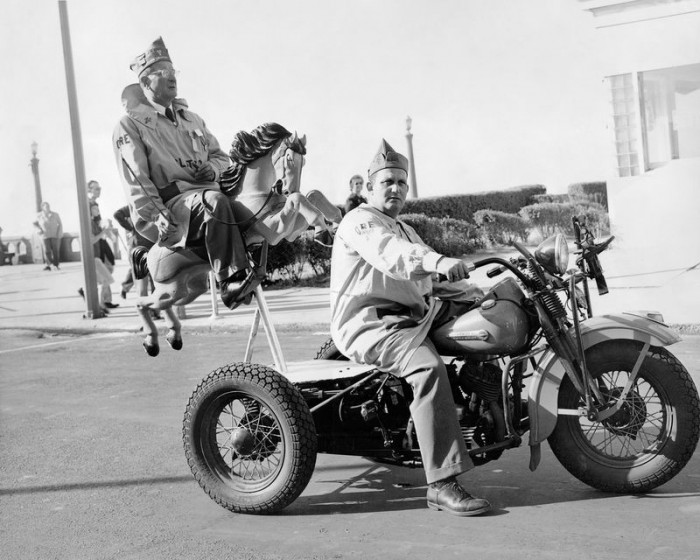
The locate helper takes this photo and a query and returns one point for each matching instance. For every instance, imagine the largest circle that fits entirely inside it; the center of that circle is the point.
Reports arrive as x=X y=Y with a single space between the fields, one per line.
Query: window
x=656 y=117
x=624 y=105
x=671 y=101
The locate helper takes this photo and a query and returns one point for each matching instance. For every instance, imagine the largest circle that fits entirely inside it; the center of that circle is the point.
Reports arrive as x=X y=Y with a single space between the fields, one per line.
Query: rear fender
x=543 y=394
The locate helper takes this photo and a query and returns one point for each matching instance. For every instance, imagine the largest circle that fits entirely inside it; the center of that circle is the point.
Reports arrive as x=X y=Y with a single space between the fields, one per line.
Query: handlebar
x=589 y=255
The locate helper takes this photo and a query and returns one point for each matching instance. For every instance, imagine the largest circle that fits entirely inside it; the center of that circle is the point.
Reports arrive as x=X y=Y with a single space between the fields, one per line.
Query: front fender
x=543 y=394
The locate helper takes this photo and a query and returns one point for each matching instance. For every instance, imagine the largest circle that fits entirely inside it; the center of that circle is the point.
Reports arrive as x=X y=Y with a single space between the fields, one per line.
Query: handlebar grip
x=495 y=271
x=602 y=285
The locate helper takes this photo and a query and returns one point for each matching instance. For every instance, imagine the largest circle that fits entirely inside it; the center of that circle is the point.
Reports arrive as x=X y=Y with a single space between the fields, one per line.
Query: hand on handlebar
x=453 y=269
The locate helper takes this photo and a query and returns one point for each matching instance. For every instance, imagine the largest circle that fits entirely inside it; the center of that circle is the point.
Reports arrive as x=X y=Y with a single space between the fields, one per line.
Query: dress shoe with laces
x=238 y=288
x=139 y=262
x=448 y=495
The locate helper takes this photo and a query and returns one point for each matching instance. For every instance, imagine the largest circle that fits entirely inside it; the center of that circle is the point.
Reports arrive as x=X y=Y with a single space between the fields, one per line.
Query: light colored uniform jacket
x=382 y=293
x=164 y=157
x=50 y=226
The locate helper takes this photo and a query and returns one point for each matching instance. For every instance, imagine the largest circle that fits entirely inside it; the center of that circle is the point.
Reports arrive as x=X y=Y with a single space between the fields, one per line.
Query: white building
x=651 y=68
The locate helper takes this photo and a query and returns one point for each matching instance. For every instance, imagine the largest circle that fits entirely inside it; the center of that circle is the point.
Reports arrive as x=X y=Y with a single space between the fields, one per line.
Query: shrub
x=462 y=207
x=501 y=228
x=548 y=218
x=594 y=192
x=594 y=215
x=559 y=198
x=447 y=236
x=286 y=259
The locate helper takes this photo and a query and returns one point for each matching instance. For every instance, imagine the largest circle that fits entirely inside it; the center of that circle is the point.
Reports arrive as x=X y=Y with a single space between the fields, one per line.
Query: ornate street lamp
x=412 y=183
x=34 y=162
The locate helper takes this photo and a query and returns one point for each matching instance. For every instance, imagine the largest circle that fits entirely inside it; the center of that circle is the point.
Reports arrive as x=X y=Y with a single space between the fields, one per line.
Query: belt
x=168 y=191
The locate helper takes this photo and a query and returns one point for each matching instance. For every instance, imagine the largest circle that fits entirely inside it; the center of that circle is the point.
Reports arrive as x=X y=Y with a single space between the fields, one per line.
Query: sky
x=501 y=93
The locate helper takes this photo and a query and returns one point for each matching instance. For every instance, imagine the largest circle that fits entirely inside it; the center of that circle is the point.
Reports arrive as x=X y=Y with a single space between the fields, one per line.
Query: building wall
x=653 y=214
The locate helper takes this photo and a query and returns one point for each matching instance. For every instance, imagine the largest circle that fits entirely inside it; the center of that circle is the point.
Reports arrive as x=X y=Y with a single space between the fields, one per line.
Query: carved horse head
x=269 y=156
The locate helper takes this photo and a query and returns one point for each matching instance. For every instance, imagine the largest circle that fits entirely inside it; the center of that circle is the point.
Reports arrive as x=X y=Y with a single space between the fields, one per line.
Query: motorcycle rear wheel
x=329 y=351
x=249 y=439
x=649 y=440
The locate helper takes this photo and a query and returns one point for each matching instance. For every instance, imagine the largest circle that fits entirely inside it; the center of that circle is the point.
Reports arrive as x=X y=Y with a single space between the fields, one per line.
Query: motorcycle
x=619 y=411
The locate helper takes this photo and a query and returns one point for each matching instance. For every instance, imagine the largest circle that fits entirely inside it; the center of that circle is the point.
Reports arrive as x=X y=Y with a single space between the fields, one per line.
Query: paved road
x=93 y=468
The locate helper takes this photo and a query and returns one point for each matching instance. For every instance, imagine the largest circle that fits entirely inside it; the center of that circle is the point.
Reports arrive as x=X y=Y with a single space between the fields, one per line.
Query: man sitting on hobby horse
x=169 y=164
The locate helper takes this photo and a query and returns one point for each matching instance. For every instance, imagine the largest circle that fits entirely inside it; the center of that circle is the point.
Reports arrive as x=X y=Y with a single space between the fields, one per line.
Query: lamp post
x=34 y=162
x=412 y=183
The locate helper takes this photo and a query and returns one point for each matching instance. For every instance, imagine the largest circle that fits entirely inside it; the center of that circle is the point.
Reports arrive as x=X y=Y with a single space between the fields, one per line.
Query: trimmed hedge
x=559 y=198
x=594 y=192
x=501 y=228
x=549 y=218
x=462 y=207
x=447 y=236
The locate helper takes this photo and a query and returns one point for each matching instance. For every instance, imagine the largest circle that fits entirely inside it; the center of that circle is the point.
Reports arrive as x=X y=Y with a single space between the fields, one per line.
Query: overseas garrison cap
x=387 y=158
x=154 y=53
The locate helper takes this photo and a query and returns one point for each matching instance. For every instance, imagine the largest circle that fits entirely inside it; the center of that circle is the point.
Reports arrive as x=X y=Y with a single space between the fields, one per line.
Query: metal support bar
x=270 y=331
x=212 y=293
x=251 y=337
x=372 y=374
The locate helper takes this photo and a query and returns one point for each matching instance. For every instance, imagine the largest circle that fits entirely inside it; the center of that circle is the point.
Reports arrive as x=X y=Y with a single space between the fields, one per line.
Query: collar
x=141 y=110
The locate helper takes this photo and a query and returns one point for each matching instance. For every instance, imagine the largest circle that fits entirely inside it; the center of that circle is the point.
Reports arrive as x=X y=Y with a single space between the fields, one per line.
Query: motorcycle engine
x=384 y=400
x=482 y=421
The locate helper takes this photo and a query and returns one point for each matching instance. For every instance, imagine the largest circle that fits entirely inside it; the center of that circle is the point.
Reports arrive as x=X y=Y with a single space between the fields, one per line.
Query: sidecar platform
x=297 y=372
x=310 y=371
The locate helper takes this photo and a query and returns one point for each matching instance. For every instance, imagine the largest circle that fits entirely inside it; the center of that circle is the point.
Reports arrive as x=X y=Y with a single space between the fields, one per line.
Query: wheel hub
x=630 y=418
x=242 y=441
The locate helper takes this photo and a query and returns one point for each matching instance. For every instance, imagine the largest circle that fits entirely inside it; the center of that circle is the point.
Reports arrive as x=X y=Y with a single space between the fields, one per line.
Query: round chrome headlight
x=553 y=254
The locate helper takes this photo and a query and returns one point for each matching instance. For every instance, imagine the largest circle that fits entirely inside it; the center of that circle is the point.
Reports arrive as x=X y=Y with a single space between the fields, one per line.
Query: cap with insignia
x=387 y=158
x=154 y=53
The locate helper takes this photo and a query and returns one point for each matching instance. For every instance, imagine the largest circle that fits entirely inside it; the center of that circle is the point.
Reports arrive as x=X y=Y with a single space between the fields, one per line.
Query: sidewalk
x=31 y=298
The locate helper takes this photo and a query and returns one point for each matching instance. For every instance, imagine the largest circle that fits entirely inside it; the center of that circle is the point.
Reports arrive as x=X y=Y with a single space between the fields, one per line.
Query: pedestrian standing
x=51 y=230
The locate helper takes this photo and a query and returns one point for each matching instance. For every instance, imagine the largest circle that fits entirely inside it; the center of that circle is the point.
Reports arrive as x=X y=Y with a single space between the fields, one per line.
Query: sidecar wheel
x=329 y=352
x=649 y=440
x=249 y=439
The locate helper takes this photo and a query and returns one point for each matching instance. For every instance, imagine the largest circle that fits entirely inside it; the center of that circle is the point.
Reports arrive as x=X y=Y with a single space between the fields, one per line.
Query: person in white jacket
x=169 y=163
x=383 y=305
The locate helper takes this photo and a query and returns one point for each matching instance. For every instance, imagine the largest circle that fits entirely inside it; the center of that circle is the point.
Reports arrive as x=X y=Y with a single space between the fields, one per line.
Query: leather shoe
x=111 y=305
x=239 y=288
x=448 y=495
x=139 y=262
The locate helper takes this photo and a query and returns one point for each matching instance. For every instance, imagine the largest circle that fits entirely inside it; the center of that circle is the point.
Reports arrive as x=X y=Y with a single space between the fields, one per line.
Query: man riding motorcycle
x=383 y=305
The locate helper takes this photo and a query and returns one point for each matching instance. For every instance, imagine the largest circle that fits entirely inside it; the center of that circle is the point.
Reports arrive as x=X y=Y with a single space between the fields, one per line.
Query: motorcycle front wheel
x=645 y=443
x=249 y=438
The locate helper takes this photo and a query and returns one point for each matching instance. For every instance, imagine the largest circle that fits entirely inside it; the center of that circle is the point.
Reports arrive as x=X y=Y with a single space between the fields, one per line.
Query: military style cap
x=154 y=53
x=387 y=158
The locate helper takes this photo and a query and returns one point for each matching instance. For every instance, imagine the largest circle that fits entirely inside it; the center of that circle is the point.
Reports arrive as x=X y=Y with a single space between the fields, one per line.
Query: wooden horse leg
x=150 y=341
x=174 y=334
x=329 y=210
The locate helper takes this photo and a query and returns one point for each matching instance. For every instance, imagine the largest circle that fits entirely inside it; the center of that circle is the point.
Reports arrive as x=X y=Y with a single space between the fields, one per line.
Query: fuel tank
x=498 y=325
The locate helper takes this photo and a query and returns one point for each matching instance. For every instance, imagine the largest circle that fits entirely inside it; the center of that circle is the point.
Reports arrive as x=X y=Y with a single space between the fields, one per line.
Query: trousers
x=52 y=247
x=442 y=446
x=212 y=222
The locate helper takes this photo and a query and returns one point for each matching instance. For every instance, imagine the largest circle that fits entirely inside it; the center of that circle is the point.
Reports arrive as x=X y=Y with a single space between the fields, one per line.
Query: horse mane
x=249 y=146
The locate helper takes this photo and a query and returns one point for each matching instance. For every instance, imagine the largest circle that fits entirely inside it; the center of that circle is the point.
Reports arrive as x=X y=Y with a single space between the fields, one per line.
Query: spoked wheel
x=249 y=439
x=649 y=439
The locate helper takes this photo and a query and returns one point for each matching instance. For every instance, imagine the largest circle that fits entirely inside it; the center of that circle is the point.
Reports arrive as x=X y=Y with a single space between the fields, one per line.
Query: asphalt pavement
x=92 y=467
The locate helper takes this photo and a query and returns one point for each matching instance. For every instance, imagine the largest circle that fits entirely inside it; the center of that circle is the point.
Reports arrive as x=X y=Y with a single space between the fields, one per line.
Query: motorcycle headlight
x=553 y=254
